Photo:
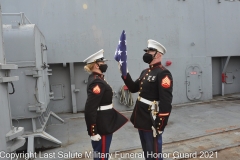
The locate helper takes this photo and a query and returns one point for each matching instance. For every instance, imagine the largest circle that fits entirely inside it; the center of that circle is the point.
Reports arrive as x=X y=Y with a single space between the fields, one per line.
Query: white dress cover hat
x=96 y=57
x=154 y=45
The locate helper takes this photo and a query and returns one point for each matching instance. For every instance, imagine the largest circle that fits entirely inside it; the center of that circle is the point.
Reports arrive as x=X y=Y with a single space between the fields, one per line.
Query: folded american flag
x=121 y=53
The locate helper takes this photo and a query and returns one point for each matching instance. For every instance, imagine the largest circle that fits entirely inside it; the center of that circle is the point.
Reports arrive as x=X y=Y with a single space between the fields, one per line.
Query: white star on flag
x=125 y=42
x=121 y=62
x=119 y=52
x=126 y=52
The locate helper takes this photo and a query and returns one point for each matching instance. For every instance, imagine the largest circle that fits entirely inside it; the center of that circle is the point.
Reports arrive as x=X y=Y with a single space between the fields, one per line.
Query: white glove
x=154 y=132
x=119 y=67
x=97 y=137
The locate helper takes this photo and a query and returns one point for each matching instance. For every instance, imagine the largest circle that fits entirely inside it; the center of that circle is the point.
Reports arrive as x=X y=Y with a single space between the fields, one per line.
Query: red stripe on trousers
x=103 y=145
x=156 y=139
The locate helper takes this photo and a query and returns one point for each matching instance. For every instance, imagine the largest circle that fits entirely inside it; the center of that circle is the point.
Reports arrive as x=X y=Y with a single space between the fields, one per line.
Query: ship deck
x=212 y=126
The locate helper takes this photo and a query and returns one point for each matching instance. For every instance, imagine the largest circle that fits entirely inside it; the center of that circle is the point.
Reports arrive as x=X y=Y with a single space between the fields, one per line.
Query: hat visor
x=146 y=49
x=101 y=60
x=149 y=49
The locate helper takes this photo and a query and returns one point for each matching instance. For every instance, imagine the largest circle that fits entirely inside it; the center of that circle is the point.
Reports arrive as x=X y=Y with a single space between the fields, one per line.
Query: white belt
x=152 y=104
x=101 y=108
x=147 y=102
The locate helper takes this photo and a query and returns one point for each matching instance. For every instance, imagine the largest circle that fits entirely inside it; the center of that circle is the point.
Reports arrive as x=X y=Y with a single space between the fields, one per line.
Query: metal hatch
x=194 y=82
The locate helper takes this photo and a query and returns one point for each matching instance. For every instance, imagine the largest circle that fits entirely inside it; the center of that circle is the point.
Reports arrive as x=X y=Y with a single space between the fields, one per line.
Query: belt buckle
x=154 y=102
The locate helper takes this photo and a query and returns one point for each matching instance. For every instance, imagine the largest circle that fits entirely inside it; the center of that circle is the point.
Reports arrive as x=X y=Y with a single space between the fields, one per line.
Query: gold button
x=93 y=130
x=141 y=88
x=159 y=123
x=147 y=74
x=141 y=82
x=160 y=118
x=149 y=70
x=139 y=92
x=144 y=78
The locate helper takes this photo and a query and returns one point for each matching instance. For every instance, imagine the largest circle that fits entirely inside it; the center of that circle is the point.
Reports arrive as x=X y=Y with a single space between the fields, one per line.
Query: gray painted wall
x=192 y=31
x=74 y=33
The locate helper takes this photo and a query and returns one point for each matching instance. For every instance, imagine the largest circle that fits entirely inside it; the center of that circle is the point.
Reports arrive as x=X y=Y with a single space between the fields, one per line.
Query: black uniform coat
x=154 y=83
x=100 y=94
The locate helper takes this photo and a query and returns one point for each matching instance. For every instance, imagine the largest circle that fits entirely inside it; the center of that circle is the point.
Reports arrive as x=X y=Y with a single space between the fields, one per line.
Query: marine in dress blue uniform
x=153 y=106
x=101 y=118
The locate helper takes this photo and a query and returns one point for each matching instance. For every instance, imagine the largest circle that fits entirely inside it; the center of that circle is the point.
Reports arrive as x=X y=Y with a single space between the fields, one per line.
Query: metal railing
x=22 y=16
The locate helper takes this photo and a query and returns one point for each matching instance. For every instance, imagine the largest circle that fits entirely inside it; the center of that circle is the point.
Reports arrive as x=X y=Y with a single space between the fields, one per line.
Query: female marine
x=101 y=118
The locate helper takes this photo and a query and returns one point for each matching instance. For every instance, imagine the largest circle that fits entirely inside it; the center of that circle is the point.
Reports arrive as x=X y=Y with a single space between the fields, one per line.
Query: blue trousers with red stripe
x=151 y=147
x=101 y=147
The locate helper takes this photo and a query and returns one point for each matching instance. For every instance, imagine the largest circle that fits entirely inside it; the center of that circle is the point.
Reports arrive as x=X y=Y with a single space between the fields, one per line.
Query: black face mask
x=147 y=58
x=103 y=67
